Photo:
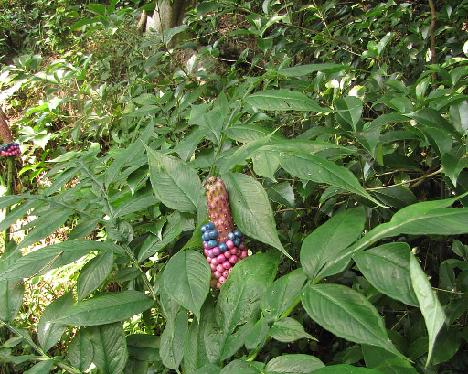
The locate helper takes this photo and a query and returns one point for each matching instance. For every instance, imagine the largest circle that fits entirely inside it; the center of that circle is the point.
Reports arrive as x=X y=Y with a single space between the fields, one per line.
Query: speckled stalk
x=218 y=207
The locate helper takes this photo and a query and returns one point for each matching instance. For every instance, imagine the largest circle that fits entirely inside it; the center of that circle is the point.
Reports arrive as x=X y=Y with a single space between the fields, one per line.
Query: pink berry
x=244 y=254
x=217 y=274
x=227 y=254
x=208 y=259
x=213 y=267
x=221 y=279
x=218 y=285
x=227 y=265
x=215 y=251
x=230 y=244
x=205 y=245
x=233 y=251
x=233 y=259
x=221 y=258
x=225 y=274
x=220 y=268
x=229 y=271
x=214 y=261
x=241 y=246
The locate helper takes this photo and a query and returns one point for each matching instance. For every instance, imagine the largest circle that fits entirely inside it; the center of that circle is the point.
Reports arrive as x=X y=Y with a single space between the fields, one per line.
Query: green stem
x=38 y=349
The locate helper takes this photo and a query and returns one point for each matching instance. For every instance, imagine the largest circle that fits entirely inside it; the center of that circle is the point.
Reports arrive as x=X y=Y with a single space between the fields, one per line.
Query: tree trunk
x=167 y=14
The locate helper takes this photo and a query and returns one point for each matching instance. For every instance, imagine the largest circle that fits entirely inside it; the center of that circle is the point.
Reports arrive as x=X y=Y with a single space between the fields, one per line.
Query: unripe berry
x=225 y=274
x=227 y=265
x=213 y=267
x=221 y=279
x=220 y=268
x=243 y=254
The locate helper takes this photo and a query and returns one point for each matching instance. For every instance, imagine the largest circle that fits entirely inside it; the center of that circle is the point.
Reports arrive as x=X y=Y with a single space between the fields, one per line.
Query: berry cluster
x=222 y=256
x=223 y=244
x=11 y=149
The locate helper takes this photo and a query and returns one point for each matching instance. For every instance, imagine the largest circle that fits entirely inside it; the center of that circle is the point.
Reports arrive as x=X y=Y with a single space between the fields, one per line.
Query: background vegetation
x=339 y=128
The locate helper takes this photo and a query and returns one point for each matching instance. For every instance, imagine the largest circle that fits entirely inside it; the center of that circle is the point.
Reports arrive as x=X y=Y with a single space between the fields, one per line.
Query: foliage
x=341 y=141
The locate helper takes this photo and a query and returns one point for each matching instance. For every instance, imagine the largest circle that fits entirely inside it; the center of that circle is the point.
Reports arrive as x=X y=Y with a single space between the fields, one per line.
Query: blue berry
x=236 y=242
x=210 y=226
x=213 y=234
x=222 y=247
x=212 y=243
x=231 y=236
x=203 y=228
x=205 y=236
x=238 y=233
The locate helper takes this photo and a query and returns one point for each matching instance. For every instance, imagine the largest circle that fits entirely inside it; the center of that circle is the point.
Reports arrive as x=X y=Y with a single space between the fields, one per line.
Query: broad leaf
x=11 y=291
x=242 y=367
x=172 y=340
x=428 y=217
x=174 y=182
x=346 y=369
x=284 y=100
x=320 y=248
x=287 y=330
x=49 y=332
x=94 y=273
x=45 y=225
x=104 y=309
x=80 y=350
x=429 y=304
x=51 y=257
x=283 y=295
x=187 y=279
x=251 y=209
x=387 y=268
x=349 y=109
x=109 y=347
x=301 y=70
x=320 y=170
x=42 y=367
x=293 y=364
x=347 y=314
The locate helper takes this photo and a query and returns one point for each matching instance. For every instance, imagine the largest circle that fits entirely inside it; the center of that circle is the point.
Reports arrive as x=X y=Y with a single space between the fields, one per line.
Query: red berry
x=233 y=259
x=227 y=265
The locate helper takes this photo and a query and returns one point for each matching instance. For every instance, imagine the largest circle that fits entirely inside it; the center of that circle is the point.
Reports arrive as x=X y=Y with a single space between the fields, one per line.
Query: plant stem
x=38 y=349
x=418 y=180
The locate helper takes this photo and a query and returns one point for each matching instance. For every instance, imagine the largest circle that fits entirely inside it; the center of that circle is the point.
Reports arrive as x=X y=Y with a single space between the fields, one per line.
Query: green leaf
x=171 y=232
x=349 y=109
x=247 y=133
x=109 y=347
x=143 y=347
x=347 y=314
x=301 y=70
x=320 y=170
x=51 y=257
x=257 y=334
x=321 y=247
x=387 y=268
x=174 y=182
x=239 y=298
x=94 y=273
x=172 y=340
x=45 y=225
x=345 y=369
x=386 y=362
x=80 y=351
x=287 y=330
x=427 y=217
x=49 y=332
x=11 y=291
x=293 y=364
x=265 y=164
x=251 y=209
x=187 y=279
x=429 y=304
x=282 y=193
x=42 y=367
x=283 y=100
x=107 y=308
x=283 y=295
x=241 y=367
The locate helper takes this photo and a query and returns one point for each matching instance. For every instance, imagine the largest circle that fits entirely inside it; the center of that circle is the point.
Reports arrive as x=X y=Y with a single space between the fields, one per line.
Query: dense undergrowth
x=339 y=128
